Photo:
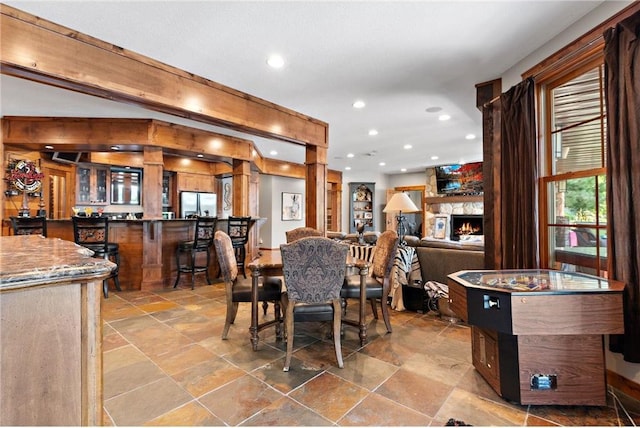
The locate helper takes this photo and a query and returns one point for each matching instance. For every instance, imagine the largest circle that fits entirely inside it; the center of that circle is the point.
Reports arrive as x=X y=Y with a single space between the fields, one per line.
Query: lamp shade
x=402 y=203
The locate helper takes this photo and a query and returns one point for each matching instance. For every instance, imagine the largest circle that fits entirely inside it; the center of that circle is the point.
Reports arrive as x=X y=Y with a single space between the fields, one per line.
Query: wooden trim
x=45 y=52
x=592 y=40
x=623 y=384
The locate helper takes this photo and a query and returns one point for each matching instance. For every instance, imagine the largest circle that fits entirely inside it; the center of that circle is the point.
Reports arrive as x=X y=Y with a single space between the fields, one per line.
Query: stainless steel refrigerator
x=197 y=203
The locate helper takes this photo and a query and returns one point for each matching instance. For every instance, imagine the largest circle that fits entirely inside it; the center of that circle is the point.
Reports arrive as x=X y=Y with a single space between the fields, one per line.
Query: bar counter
x=51 y=329
x=148 y=248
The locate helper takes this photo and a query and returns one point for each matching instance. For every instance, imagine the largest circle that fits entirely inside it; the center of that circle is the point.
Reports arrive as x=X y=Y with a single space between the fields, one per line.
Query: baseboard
x=624 y=385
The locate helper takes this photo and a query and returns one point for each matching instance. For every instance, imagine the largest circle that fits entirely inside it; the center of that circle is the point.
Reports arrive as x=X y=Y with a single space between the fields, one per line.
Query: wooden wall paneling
x=129 y=236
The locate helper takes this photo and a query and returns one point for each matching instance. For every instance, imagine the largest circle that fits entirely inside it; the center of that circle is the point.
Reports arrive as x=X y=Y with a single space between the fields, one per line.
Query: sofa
x=433 y=260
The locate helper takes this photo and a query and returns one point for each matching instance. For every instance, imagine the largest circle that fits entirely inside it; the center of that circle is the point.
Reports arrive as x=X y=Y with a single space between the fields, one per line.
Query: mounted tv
x=66 y=157
x=459 y=179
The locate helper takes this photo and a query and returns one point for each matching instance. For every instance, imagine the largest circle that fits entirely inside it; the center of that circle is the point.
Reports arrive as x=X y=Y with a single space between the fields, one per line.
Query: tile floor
x=165 y=364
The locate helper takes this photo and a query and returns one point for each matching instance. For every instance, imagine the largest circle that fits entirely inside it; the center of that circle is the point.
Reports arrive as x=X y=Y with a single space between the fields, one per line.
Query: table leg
x=253 y=329
x=363 y=305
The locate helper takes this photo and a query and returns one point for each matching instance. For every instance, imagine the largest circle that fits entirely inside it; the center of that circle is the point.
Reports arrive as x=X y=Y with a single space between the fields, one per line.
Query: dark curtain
x=518 y=179
x=622 y=88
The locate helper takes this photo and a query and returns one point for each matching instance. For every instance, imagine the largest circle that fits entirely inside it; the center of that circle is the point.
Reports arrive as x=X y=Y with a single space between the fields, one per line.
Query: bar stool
x=238 y=231
x=201 y=243
x=29 y=225
x=93 y=233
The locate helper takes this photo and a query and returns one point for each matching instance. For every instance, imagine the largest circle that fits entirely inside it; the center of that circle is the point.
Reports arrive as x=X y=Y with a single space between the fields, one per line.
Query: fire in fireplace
x=463 y=225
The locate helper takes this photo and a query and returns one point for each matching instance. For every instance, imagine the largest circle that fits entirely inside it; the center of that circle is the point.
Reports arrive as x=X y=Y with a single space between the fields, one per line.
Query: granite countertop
x=31 y=260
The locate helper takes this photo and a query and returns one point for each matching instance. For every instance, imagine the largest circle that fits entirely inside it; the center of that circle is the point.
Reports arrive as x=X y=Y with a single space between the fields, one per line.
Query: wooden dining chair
x=314 y=270
x=379 y=281
x=238 y=289
x=301 y=232
x=29 y=225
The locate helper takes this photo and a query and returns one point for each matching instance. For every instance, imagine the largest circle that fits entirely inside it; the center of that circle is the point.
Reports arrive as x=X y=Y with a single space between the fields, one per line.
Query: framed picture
x=291 y=206
x=440 y=226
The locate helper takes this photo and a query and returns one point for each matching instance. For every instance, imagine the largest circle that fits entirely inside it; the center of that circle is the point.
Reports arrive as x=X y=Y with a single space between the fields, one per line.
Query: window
x=574 y=190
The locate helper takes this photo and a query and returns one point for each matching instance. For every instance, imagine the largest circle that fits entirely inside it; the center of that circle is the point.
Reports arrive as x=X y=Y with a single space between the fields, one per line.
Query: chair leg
x=385 y=316
x=175 y=284
x=290 y=333
x=232 y=310
x=265 y=307
x=116 y=279
x=207 y=266
x=374 y=308
x=193 y=269
x=278 y=318
x=337 y=323
x=105 y=288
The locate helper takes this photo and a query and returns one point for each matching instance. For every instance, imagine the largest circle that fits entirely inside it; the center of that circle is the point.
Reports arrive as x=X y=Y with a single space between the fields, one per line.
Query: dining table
x=269 y=263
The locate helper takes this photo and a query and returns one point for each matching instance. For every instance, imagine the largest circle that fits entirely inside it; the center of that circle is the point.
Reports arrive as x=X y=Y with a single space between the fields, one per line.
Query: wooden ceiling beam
x=45 y=52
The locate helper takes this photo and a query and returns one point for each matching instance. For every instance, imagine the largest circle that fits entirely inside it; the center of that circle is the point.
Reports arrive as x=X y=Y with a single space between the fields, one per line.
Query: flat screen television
x=459 y=179
x=66 y=157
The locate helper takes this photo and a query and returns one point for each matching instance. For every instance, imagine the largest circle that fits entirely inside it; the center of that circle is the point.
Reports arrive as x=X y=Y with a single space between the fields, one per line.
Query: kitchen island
x=51 y=329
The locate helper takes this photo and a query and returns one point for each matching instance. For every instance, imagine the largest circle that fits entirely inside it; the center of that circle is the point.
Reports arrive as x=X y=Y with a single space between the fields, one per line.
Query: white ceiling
x=401 y=58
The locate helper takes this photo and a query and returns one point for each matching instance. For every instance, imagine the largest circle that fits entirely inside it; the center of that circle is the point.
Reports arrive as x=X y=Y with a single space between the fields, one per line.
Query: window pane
x=578 y=123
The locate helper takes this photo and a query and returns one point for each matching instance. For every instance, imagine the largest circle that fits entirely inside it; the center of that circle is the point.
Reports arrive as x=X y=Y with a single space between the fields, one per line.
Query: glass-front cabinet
x=92 y=186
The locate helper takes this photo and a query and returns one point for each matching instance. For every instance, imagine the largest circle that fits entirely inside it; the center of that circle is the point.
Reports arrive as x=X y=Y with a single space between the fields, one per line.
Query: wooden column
x=316 y=187
x=241 y=176
x=152 y=230
x=492 y=165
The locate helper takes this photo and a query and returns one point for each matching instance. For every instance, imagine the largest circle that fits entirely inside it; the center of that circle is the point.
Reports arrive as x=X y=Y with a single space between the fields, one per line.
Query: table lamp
x=402 y=203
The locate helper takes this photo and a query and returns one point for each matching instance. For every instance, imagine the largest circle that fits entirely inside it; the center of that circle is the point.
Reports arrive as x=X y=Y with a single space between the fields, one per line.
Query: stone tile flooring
x=165 y=364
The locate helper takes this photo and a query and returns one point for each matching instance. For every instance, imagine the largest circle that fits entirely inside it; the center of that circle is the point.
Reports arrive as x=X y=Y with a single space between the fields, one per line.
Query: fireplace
x=465 y=225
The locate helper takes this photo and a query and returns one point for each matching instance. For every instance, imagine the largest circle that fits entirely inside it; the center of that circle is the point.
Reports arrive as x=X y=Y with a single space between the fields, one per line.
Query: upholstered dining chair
x=314 y=270
x=379 y=279
x=239 y=290
x=301 y=232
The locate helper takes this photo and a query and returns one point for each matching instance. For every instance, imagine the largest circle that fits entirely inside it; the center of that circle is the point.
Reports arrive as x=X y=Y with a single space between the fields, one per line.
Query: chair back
x=238 y=229
x=29 y=225
x=314 y=269
x=301 y=232
x=204 y=232
x=384 y=255
x=91 y=232
x=226 y=256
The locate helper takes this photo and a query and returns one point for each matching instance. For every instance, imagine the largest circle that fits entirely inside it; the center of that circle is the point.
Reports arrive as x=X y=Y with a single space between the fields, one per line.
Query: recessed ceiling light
x=470 y=136
x=200 y=155
x=382 y=164
x=444 y=117
x=350 y=155
x=403 y=169
x=358 y=104
x=408 y=146
x=48 y=147
x=433 y=109
x=373 y=132
x=434 y=158
x=115 y=148
x=273 y=152
x=347 y=168
x=275 y=61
